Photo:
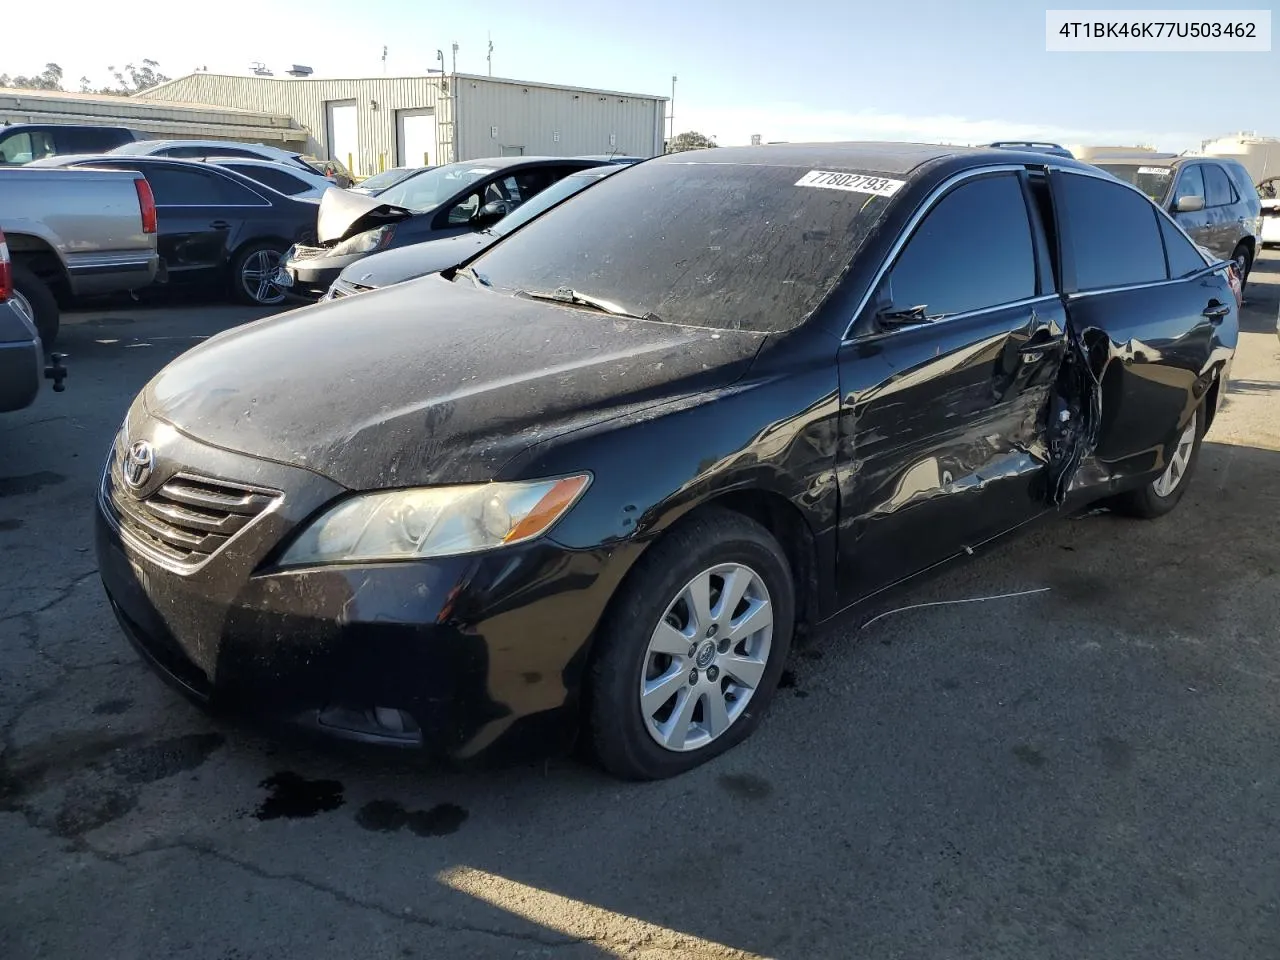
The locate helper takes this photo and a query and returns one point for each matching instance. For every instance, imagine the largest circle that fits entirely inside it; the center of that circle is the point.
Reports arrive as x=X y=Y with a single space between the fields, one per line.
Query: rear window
x=728 y=246
x=279 y=180
x=1152 y=179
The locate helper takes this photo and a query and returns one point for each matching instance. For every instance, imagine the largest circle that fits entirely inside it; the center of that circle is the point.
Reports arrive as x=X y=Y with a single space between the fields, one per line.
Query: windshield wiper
x=472 y=275
x=577 y=299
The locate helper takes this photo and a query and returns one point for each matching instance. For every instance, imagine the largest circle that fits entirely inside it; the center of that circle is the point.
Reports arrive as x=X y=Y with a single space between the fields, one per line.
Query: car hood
x=416 y=260
x=344 y=214
x=430 y=381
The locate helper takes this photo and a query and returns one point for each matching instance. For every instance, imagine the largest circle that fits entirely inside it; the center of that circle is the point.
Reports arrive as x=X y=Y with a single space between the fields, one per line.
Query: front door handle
x=220 y=225
x=1215 y=311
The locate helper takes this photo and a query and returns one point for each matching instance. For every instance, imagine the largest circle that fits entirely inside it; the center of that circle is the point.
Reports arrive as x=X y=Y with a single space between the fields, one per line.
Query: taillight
x=6 y=271
x=147 y=201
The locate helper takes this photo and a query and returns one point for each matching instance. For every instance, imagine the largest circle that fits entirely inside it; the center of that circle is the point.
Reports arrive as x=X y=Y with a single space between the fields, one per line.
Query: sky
x=952 y=72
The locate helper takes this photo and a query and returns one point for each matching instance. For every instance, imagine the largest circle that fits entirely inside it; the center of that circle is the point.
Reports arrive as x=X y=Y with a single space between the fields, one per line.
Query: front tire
x=1244 y=263
x=691 y=653
x=33 y=297
x=252 y=274
x=1158 y=497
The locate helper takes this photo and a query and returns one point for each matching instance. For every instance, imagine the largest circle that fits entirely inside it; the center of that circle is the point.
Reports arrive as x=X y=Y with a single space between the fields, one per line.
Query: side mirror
x=490 y=213
x=1189 y=204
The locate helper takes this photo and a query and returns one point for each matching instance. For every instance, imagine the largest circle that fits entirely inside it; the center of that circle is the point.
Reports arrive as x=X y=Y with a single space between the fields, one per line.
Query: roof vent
x=297 y=70
x=260 y=69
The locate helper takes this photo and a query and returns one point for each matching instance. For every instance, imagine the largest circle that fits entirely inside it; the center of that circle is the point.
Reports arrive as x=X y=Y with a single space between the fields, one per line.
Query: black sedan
x=446 y=201
x=432 y=256
x=595 y=479
x=216 y=228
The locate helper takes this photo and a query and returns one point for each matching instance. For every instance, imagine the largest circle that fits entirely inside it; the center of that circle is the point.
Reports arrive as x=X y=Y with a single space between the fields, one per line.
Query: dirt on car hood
x=431 y=381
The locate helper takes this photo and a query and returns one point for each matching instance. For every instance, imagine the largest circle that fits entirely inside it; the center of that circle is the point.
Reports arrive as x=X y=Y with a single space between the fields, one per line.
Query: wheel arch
x=40 y=257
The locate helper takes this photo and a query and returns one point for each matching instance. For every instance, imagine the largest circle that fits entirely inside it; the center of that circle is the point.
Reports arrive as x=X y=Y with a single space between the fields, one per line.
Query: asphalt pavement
x=1091 y=770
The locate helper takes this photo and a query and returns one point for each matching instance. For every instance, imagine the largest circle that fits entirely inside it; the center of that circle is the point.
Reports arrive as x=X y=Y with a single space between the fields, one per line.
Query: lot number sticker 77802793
x=852 y=182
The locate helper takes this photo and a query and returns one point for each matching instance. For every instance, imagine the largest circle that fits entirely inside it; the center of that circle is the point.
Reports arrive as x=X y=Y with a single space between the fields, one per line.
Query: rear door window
x=184 y=188
x=280 y=180
x=1217 y=186
x=1184 y=258
x=972 y=251
x=1115 y=239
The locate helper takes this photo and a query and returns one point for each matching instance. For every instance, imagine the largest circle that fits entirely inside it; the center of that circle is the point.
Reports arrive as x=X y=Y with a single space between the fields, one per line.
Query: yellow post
x=351 y=167
x=426 y=161
x=382 y=162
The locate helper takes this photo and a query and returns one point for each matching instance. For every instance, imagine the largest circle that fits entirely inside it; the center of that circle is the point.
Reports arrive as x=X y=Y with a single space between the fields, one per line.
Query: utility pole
x=490 y=58
x=671 y=113
x=455 y=56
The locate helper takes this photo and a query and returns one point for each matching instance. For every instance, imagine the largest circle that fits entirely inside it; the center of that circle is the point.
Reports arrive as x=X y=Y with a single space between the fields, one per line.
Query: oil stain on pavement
x=387 y=816
x=293 y=796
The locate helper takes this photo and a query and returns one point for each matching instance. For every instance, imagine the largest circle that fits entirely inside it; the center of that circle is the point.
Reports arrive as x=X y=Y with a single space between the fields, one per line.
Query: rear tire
x=36 y=300
x=728 y=673
x=251 y=272
x=1161 y=495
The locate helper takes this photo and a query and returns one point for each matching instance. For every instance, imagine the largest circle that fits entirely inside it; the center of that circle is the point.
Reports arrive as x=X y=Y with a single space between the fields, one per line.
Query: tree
x=128 y=81
x=132 y=79
x=49 y=79
x=692 y=140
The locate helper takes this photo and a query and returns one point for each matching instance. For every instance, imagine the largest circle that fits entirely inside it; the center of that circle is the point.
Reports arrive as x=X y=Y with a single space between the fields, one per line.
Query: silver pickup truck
x=75 y=232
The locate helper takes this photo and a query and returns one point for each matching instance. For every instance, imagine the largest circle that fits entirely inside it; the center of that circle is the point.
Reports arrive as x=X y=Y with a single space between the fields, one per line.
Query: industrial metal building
x=154 y=118
x=376 y=123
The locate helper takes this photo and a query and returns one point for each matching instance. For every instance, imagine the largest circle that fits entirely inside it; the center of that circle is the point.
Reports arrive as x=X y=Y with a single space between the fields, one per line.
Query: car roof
x=900 y=159
x=1150 y=159
x=139 y=145
x=501 y=163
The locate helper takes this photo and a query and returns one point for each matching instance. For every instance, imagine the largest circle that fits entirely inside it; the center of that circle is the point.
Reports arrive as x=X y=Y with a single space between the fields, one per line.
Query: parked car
x=334 y=171
x=1033 y=146
x=74 y=233
x=1267 y=195
x=612 y=158
x=432 y=256
x=21 y=353
x=217 y=228
x=1212 y=198
x=287 y=179
x=450 y=200
x=597 y=476
x=387 y=178
x=21 y=143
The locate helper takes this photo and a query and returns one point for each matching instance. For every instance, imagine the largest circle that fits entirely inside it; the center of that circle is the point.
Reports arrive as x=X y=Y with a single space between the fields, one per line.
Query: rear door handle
x=220 y=225
x=1215 y=311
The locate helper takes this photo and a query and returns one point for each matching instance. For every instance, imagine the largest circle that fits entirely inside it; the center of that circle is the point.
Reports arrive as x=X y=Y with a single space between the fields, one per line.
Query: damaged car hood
x=416 y=260
x=344 y=214
x=430 y=381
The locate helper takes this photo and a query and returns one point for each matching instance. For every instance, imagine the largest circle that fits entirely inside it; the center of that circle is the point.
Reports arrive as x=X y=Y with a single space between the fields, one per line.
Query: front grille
x=345 y=288
x=185 y=521
x=307 y=253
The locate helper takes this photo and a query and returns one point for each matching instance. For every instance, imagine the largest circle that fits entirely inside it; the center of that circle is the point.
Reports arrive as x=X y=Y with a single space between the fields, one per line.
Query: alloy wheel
x=706 y=657
x=1168 y=481
x=257 y=276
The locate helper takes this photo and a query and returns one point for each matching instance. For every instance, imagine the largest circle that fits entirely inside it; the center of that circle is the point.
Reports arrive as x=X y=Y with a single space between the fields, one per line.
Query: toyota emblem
x=138 y=464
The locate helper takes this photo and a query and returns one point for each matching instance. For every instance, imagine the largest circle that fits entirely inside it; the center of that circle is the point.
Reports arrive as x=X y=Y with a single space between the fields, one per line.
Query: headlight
x=365 y=242
x=434 y=521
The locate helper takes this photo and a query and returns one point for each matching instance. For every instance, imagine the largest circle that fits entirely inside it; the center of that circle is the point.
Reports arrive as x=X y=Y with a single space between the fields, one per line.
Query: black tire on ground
x=238 y=287
x=41 y=302
x=615 y=727
x=1145 y=502
x=1244 y=262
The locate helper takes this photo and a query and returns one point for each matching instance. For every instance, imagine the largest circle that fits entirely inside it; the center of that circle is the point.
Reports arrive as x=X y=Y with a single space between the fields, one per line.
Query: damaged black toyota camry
x=593 y=481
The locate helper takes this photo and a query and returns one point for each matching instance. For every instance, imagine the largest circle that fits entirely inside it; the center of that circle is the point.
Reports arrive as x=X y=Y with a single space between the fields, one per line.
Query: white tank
x=1260 y=155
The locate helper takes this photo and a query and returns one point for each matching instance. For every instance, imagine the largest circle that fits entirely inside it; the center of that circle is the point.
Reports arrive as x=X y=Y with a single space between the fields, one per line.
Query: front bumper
x=464 y=657
x=307 y=272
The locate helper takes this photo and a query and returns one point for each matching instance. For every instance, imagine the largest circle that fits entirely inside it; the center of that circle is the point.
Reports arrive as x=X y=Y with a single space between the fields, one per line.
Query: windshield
x=380 y=181
x=541 y=202
x=1152 y=180
x=728 y=246
x=428 y=190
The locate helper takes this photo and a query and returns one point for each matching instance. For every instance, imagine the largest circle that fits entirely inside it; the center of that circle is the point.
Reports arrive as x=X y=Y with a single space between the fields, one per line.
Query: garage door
x=416 y=136
x=344 y=135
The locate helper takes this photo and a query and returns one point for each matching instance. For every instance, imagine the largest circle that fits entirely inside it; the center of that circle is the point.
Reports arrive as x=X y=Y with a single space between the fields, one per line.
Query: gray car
x=1212 y=198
